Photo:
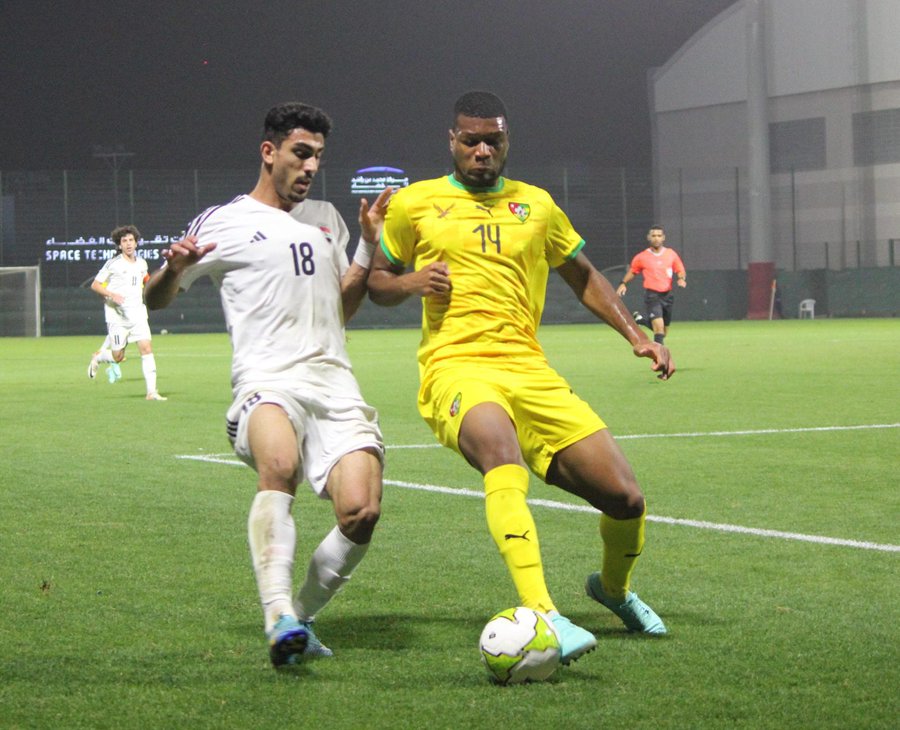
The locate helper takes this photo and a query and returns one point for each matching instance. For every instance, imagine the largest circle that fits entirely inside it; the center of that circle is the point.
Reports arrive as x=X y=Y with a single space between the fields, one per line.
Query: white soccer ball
x=519 y=645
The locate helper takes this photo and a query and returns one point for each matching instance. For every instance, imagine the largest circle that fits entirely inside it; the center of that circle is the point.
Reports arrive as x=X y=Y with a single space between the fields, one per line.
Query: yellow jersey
x=499 y=244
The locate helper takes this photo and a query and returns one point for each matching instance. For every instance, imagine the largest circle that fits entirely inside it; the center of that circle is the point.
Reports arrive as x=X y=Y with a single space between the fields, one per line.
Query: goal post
x=20 y=301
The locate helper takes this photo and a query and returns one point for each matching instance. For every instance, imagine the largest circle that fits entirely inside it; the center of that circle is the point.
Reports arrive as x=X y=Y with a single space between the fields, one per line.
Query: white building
x=832 y=71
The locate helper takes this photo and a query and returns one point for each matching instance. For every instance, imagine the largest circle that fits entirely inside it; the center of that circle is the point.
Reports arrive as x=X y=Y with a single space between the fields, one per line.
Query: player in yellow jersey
x=480 y=247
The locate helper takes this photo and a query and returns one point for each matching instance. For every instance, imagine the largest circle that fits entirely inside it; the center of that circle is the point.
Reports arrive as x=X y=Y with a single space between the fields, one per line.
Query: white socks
x=273 y=538
x=148 y=365
x=329 y=569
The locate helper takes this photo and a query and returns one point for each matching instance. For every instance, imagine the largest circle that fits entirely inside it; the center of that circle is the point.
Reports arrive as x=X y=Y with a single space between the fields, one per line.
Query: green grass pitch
x=770 y=466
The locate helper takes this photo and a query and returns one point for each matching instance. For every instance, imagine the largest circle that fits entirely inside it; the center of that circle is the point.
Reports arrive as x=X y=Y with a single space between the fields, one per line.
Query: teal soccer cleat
x=314 y=647
x=287 y=641
x=574 y=641
x=113 y=373
x=635 y=614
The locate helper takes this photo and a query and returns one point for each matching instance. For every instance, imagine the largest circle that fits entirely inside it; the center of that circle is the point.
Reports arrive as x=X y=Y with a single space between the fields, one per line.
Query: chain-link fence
x=825 y=220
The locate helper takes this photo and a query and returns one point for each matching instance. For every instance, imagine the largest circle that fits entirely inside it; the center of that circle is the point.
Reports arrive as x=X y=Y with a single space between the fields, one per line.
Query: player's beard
x=298 y=195
x=288 y=192
x=482 y=179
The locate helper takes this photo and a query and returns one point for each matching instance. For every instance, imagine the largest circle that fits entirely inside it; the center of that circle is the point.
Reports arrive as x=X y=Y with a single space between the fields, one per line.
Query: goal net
x=20 y=301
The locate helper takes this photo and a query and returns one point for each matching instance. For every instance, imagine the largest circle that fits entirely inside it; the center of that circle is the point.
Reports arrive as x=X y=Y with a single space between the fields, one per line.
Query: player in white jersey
x=324 y=216
x=297 y=410
x=121 y=283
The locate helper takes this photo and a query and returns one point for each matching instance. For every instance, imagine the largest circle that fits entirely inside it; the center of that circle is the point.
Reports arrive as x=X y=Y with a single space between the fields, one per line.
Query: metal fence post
x=65 y=183
x=737 y=212
x=131 y=195
x=624 y=215
x=681 y=240
x=794 y=217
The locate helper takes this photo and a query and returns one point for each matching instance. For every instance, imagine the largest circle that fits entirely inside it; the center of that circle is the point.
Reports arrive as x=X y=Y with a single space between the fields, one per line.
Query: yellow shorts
x=548 y=416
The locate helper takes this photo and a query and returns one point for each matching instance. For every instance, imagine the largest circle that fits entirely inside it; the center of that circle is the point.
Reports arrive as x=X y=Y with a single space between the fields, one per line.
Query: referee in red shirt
x=658 y=265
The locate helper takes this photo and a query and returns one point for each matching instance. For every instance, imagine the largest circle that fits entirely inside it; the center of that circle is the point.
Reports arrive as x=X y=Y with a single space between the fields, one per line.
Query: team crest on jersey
x=454 y=406
x=327 y=231
x=520 y=211
x=442 y=212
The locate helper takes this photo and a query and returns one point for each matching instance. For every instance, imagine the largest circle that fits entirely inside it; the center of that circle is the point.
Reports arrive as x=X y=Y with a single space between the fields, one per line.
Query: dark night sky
x=182 y=85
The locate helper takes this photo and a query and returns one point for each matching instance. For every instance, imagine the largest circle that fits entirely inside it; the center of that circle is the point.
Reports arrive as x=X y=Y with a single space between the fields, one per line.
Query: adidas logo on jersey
x=257 y=237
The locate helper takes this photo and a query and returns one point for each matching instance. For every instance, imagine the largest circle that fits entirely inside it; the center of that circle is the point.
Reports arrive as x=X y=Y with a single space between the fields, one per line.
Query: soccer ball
x=519 y=645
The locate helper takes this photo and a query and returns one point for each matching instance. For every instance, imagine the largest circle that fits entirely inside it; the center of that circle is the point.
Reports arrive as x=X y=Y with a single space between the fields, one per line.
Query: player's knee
x=278 y=473
x=625 y=504
x=358 y=524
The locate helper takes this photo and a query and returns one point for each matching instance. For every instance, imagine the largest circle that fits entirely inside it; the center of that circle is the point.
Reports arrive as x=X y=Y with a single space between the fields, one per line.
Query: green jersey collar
x=457 y=184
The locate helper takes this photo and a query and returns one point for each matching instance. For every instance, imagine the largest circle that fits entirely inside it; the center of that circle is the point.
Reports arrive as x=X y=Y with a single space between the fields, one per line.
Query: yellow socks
x=513 y=529
x=623 y=541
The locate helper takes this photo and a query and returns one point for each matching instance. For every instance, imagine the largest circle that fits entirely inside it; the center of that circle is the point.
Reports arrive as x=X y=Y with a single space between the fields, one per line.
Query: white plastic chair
x=808 y=309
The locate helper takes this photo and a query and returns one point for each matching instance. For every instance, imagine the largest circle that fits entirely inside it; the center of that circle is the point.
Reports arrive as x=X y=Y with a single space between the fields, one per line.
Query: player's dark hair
x=283 y=119
x=479 y=104
x=121 y=232
x=656 y=228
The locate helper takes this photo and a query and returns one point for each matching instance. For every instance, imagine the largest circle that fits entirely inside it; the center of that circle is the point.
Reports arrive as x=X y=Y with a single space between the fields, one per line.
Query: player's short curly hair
x=479 y=104
x=283 y=119
x=122 y=231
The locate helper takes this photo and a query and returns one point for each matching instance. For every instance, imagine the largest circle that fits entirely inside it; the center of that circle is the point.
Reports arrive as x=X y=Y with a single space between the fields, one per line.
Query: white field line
x=230 y=460
x=700 y=524
x=703 y=434
x=812 y=429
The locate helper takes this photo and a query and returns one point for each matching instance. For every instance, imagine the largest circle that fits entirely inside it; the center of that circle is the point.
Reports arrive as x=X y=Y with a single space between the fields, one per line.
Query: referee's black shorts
x=659 y=304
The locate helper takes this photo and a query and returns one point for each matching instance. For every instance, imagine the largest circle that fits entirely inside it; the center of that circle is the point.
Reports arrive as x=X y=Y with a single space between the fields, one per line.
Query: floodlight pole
x=761 y=265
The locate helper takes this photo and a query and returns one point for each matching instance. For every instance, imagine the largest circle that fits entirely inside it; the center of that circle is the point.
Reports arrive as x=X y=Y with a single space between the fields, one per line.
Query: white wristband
x=364 y=253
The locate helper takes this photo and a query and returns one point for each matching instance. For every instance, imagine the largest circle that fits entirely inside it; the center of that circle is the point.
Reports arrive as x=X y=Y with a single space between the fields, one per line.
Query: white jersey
x=126 y=278
x=325 y=217
x=280 y=284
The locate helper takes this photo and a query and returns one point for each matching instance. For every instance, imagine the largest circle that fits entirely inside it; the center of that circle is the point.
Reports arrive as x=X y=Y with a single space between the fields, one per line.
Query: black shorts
x=659 y=304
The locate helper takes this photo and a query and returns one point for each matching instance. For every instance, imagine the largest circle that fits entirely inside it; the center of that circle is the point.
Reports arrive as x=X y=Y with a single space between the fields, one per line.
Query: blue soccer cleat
x=287 y=641
x=574 y=641
x=635 y=614
x=314 y=647
x=113 y=373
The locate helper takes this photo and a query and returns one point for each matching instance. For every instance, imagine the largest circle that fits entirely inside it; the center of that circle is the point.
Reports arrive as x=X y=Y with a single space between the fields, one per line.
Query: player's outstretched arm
x=597 y=294
x=371 y=221
x=162 y=286
x=371 y=218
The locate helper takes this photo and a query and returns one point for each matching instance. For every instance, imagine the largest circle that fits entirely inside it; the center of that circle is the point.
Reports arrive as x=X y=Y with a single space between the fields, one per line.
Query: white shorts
x=123 y=329
x=324 y=434
x=120 y=335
